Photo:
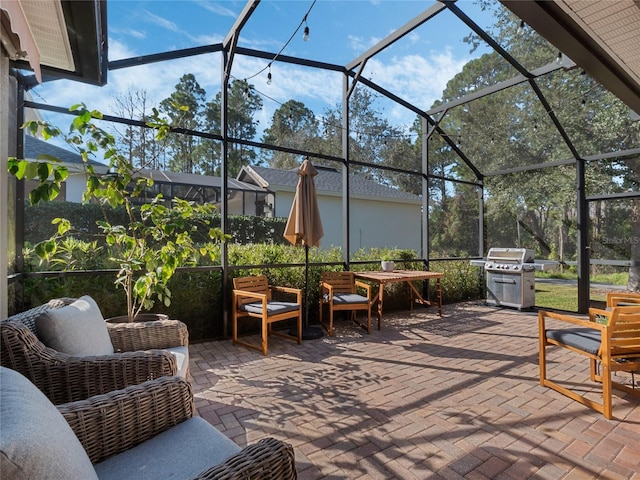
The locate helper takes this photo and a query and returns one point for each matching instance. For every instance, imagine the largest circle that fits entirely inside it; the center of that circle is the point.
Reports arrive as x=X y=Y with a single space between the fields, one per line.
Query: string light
x=305 y=35
x=559 y=58
x=520 y=30
x=269 y=76
x=245 y=93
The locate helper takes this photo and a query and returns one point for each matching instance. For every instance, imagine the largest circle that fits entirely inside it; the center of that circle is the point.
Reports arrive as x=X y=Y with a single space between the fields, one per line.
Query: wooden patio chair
x=615 y=299
x=253 y=297
x=610 y=339
x=339 y=292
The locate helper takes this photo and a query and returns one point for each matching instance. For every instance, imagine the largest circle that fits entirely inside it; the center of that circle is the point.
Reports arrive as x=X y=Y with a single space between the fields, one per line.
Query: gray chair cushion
x=349 y=299
x=585 y=339
x=273 y=308
x=182 y=452
x=35 y=441
x=78 y=329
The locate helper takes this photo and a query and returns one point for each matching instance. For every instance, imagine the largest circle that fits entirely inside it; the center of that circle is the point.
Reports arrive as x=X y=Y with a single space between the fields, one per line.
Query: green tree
x=137 y=142
x=294 y=126
x=512 y=128
x=242 y=105
x=183 y=108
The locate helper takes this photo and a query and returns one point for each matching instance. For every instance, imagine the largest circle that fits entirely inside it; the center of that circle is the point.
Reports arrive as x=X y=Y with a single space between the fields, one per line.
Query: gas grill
x=510 y=277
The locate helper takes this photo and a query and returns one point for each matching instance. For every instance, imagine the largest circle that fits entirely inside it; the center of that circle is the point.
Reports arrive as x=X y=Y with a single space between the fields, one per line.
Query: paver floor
x=423 y=398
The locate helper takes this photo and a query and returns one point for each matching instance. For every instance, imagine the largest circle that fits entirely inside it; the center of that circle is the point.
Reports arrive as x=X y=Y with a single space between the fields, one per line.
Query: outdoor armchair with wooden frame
x=339 y=292
x=621 y=299
x=253 y=297
x=610 y=339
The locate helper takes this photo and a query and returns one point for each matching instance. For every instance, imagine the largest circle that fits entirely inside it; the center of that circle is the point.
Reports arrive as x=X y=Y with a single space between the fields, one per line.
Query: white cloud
x=139 y=34
x=360 y=44
x=415 y=78
x=163 y=22
x=218 y=9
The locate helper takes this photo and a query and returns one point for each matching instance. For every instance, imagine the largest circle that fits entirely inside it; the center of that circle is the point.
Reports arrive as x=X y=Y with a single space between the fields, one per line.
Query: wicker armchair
x=64 y=378
x=145 y=431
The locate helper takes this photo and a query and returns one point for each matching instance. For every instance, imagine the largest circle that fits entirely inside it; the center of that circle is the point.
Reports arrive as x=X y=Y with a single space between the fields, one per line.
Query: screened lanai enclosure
x=532 y=143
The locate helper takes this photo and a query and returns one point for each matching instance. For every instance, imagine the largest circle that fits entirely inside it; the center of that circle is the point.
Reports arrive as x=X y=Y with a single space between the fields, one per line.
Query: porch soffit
x=601 y=37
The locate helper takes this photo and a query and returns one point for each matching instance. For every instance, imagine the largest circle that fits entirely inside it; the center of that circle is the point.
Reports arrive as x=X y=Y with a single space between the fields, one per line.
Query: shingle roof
x=33 y=147
x=330 y=180
x=196 y=179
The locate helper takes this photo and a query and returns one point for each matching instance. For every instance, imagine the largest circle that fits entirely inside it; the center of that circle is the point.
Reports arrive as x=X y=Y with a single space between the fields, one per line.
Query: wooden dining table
x=382 y=278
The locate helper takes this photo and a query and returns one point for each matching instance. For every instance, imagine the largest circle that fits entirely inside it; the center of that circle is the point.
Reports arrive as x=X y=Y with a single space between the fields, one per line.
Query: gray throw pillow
x=36 y=442
x=78 y=329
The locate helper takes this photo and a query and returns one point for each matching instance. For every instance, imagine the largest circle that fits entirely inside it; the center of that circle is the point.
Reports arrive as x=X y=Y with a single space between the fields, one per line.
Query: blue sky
x=416 y=68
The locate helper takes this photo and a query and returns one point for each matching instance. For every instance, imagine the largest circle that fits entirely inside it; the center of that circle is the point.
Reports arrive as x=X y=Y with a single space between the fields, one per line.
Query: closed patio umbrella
x=304 y=227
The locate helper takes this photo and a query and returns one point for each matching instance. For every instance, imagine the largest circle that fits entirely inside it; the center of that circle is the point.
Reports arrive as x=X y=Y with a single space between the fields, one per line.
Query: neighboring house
x=75 y=185
x=244 y=198
x=380 y=216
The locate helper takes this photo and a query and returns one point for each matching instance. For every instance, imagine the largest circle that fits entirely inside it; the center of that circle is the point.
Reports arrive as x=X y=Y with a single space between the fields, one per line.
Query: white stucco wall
x=76 y=184
x=375 y=221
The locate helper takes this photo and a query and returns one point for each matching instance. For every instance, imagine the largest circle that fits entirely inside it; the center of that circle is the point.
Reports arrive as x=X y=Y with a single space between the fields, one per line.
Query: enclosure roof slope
x=196 y=180
x=327 y=180
x=600 y=36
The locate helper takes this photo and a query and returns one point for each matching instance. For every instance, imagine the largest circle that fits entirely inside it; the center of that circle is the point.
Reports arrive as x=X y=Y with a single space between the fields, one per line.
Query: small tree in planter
x=158 y=239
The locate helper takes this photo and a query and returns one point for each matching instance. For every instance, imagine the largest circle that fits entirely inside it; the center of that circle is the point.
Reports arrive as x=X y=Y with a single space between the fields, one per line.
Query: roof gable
x=33 y=147
x=327 y=180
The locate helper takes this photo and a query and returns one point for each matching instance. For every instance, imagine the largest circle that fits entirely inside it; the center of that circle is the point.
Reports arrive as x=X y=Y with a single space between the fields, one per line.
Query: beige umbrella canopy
x=304 y=226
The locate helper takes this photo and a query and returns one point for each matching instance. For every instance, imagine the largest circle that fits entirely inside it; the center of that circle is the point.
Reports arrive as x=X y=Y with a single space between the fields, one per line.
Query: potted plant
x=387 y=264
x=158 y=238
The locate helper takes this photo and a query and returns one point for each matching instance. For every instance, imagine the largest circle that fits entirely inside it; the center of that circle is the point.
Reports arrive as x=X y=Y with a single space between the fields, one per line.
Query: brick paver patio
x=423 y=398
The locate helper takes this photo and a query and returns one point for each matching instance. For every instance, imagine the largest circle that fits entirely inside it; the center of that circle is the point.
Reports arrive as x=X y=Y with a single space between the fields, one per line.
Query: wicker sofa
x=145 y=431
x=142 y=351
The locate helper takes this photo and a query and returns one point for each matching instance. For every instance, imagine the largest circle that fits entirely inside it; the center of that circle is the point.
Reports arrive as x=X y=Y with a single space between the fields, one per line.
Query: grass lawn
x=563 y=297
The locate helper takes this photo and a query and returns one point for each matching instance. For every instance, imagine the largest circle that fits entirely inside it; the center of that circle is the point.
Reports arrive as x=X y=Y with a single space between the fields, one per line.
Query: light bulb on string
x=269 y=76
x=305 y=32
x=559 y=57
x=520 y=30
x=245 y=93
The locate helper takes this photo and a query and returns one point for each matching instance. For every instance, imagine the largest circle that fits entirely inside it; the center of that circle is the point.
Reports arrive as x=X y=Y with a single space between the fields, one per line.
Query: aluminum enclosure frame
x=431 y=124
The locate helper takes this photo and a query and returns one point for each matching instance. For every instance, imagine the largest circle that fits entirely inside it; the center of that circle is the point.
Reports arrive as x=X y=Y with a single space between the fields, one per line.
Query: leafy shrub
x=197 y=294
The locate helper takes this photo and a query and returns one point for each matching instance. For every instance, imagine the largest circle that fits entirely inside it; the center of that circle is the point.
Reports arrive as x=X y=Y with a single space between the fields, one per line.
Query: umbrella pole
x=306 y=287
x=308 y=333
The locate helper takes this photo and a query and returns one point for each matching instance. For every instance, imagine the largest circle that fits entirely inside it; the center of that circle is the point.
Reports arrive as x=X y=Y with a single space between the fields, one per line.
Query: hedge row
x=197 y=294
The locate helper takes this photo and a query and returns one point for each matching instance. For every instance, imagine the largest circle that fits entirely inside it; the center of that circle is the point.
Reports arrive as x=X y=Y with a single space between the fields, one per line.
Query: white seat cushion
x=182 y=359
x=78 y=329
x=182 y=452
x=36 y=441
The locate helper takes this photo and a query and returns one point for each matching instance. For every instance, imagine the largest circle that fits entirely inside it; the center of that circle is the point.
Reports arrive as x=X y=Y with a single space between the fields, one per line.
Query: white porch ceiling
x=600 y=36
